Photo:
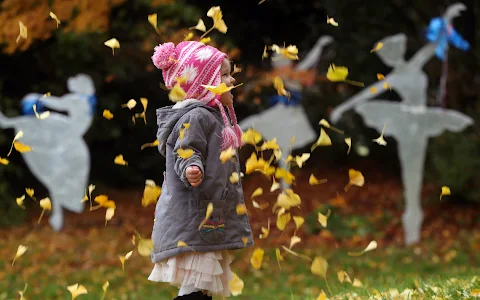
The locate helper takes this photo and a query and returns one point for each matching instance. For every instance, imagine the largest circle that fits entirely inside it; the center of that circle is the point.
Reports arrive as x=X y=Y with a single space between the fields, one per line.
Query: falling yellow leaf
x=22 y=297
x=177 y=93
x=281 y=173
x=254 y=164
x=112 y=43
x=282 y=221
x=300 y=160
x=22 y=148
x=181 y=244
x=77 y=290
x=185 y=153
x=18 y=136
x=323 y=140
x=357 y=283
x=227 y=154
x=322 y=296
x=371 y=246
x=356 y=178
x=200 y=26
x=331 y=21
x=343 y=276
x=270 y=145
x=107 y=114
x=294 y=240
x=322 y=219
x=377 y=47
x=244 y=240
x=298 y=221
x=142 y=115
x=380 y=140
x=145 y=247
x=288 y=199
x=257 y=192
x=45 y=204
x=151 y=193
x=205 y=40
x=20 y=201
x=296 y=254
x=109 y=214
x=154 y=144
x=124 y=258
x=235 y=70
x=4 y=161
x=445 y=191
x=340 y=73
x=475 y=292
x=241 y=209
x=207 y=215
x=280 y=87
x=20 y=251
x=373 y=90
x=234 y=178
x=348 y=141
x=53 y=16
x=104 y=288
x=290 y=52
x=257 y=258
x=130 y=104
x=313 y=180
x=103 y=201
x=41 y=116
x=236 y=285
x=153 y=20
x=275 y=186
x=319 y=266
x=221 y=89
x=23 y=31
x=265 y=54
x=325 y=123
x=120 y=161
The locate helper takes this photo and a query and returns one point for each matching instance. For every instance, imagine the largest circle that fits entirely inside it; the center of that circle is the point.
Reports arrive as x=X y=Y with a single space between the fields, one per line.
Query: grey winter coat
x=181 y=207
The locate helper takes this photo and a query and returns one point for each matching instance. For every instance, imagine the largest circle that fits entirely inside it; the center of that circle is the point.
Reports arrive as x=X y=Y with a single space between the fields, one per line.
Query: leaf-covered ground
x=87 y=252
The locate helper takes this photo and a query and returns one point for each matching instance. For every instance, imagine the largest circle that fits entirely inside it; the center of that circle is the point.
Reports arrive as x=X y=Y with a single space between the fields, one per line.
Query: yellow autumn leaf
x=177 y=94
x=325 y=123
x=53 y=16
x=18 y=136
x=331 y=21
x=356 y=178
x=153 y=144
x=290 y=52
x=145 y=247
x=20 y=201
x=282 y=221
x=4 y=161
x=22 y=297
x=185 y=153
x=298 y=221
x=112 y=43
x=20 y=251
x=218 y=23
x=281 y=173
x=103 y=201
x=77 y=290
x=294 y=240
x=280 y=87
x=22 y=148
x=45 y=204
x=124 y=258
x=278 y=255
x=153 y=20
x=475 y=292
x=23 y=31
x=322 y=219
x=221 y=89
x=380 y=140
x=357 y=283
x=300 y=160
x=181 y=244
x=244 y=240
x=445 y=191
x=258 y=164
x=227 y=154
x=143 y=115
x=130 y=104
x=257 y=192
x=296 y=254
x=200 y=26
x=235 y=70
x=288 y=199
x=264 y=54
x=319 y=266
x=275 y=186
x=348 y=141
x=205 y=40
x=234 y=178
x=372 y=245
x=120 y=161
x=107 y=114
x=343 y=276
x=339 y=74
x=251 y=136
x=104 y=288
x=313 y=180
x=322 y=296
x=257 y=258
x=270 y=145
x=373 y=90
x=241 y=209
x=377 y=47
x=323 y=140
x=109 y=213
x=207 y=214
x=236 y=285
x=41 y=116
x=151 y=193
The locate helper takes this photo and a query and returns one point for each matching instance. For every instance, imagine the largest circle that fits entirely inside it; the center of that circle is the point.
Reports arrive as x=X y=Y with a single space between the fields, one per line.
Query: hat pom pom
x=164 y=55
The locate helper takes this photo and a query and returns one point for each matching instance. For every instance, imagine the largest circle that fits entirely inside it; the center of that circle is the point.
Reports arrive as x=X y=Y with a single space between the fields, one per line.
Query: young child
x=202 y=267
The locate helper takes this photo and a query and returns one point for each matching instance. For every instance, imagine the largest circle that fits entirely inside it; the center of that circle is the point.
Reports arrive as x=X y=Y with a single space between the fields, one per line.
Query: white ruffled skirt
x=208 y=271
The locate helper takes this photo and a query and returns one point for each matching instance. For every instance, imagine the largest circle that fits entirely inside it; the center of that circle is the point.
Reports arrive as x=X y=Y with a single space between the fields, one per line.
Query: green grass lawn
x=91 y=257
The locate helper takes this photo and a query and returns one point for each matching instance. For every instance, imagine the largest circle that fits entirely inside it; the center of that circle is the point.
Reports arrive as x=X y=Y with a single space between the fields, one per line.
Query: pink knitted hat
x=200 y=64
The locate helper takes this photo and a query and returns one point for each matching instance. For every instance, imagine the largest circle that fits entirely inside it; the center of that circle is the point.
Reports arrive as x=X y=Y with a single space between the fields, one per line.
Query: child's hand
x=194 y=176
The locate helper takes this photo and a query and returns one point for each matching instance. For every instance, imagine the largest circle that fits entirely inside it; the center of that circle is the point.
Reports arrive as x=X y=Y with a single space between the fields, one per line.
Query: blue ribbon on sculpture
x=28 y=102
x=439 y=32
x=295 y=97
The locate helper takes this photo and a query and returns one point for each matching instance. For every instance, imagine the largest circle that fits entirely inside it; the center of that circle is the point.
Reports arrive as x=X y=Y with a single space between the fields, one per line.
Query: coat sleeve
x=195 y=138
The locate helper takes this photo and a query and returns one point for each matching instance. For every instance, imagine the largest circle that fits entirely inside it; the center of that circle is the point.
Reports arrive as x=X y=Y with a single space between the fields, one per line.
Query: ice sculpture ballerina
x=60 y=158
x=286 y=119
x=410 y=122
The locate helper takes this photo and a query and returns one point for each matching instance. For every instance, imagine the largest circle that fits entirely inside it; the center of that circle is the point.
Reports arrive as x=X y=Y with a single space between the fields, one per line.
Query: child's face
x=225 y=71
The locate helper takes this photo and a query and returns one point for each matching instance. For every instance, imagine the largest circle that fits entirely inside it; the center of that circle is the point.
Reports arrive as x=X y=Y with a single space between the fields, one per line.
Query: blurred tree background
x=50 y=55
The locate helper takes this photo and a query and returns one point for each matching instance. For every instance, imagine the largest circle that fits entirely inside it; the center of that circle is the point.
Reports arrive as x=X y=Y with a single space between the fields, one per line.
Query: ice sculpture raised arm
x=60 y=158
x=410 y=122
